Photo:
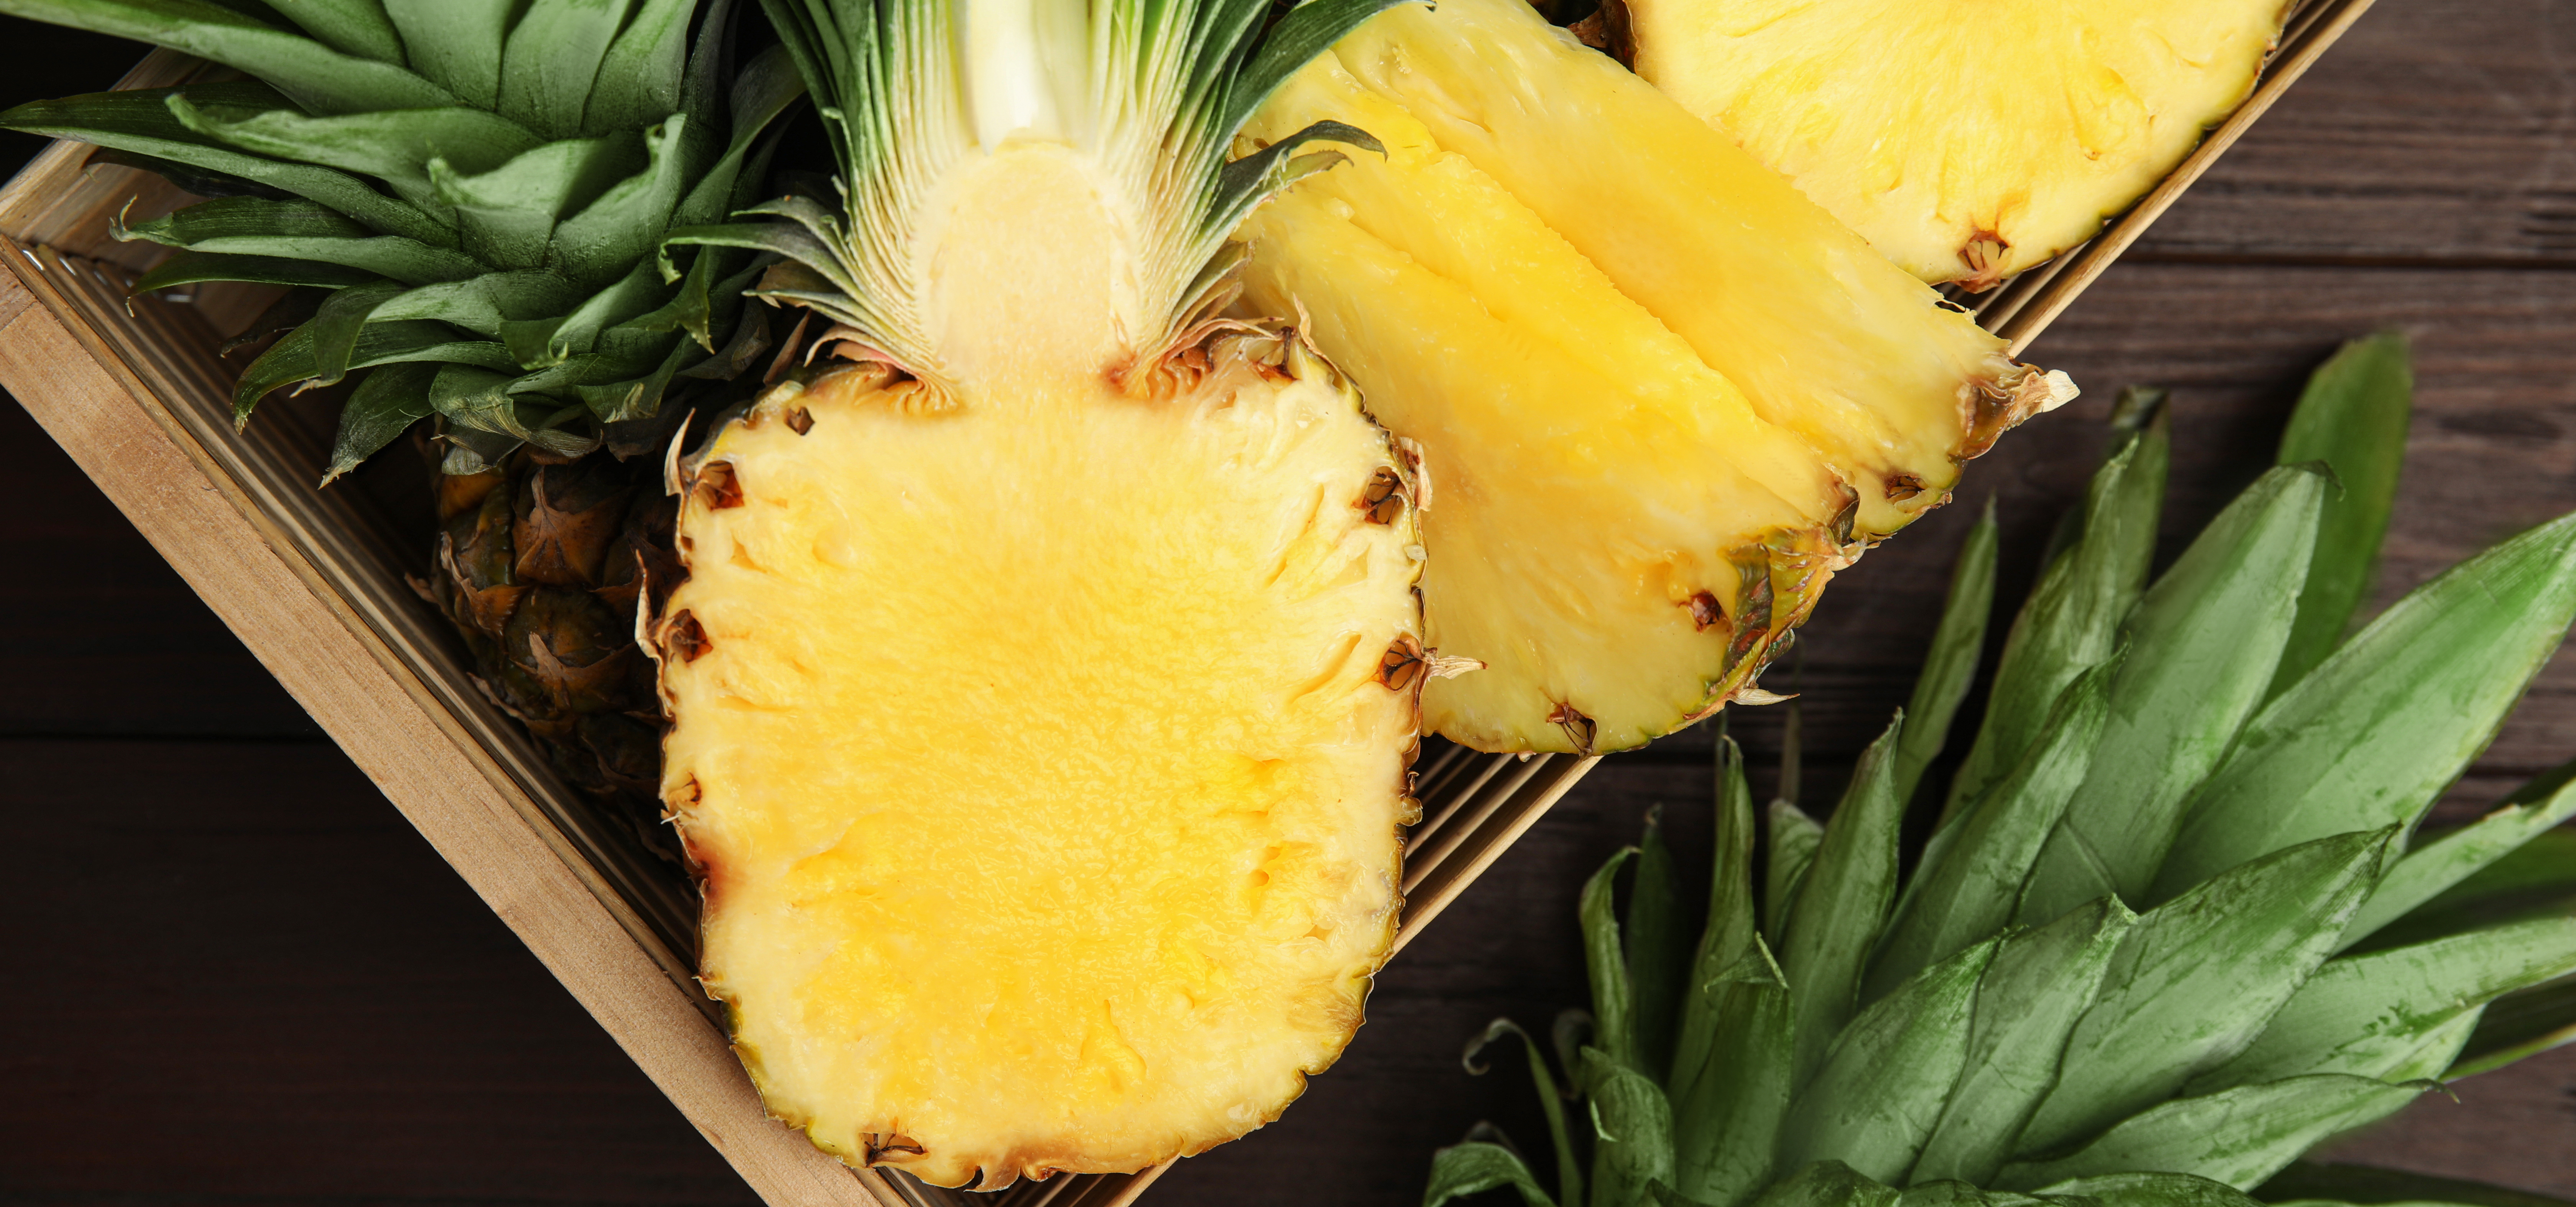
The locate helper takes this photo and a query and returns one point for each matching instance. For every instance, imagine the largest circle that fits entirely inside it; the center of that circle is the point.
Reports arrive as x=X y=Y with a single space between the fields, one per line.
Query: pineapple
x=1662 y=397
x=473 y=191
x=1965 y=141
x=1046 y=674
x=2190 y=934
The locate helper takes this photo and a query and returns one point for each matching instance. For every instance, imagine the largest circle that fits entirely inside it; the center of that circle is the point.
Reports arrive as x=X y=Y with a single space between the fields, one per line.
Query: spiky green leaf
x=1875 y=1100
x=2372 y=736
x=1844 y=899
x=2039 y=984
x=2353 y=417
x=2240 y=1136
x=1632 y=1130
x=1828 y=1184
x=384 y=406
x=1613 y=1003
x=393 y=146
x=2434 y=868
x=1569 y=1173
x=1951 y=665
x=2201 y=646
x=1658 y=951
x=2518 y=1025
x=320 y=79
x=1792 y=841
x=2197 y=979
x=195 y=267
x=1725 y=1125
x=1728 y=933
x=1464 y=1170
x=2149 y=1190
x=1969 y=892
x=2072 y=618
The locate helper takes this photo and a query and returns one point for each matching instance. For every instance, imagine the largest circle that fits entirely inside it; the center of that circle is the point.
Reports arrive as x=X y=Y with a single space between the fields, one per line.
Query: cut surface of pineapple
x=1661 y=396
x=1041 y=744
x=1967 y=139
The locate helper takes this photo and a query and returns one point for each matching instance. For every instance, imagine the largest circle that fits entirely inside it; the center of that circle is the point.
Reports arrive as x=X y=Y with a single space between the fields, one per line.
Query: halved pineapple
x=1044 y=756
x=1047 y=671
x=1661 y=397
x=1967 y=139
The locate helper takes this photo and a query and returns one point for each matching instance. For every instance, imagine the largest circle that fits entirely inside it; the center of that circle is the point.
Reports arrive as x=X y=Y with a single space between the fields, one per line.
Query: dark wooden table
x=248 y=981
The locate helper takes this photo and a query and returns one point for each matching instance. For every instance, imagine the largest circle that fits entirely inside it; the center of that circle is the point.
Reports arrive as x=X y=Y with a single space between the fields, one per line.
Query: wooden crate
x=314 y=584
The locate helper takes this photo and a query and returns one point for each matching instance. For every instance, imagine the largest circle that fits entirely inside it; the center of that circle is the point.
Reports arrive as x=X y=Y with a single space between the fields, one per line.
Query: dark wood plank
x=2436 y=129
x=254 y=982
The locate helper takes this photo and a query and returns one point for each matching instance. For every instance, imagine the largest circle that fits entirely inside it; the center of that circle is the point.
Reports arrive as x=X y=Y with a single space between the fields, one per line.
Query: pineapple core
x=1041 y=721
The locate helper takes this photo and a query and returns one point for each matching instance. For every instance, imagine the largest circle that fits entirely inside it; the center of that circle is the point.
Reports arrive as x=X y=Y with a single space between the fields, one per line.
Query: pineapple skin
x=1663 y=398
x=1042 y=751
x=1967 y=144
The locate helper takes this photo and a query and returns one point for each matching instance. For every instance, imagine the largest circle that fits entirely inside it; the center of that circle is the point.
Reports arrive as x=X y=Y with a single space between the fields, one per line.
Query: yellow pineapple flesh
x=1042 y=720
x=1967 y=139
x=1661 y=396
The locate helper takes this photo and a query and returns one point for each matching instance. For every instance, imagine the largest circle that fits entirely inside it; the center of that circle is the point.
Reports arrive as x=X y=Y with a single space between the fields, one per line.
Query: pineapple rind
x=1662 y=397
x=1967 y=142
x=1043 y=757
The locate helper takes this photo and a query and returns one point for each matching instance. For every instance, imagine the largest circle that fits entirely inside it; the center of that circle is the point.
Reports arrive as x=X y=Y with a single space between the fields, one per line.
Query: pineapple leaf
x=1879 y=1093
x=456 y=43
x=598 y=244
x=1463 y=1170
x=1247 y=182
x=481 y=400
x=639 y=78
x=1569 y=1175
x=1843 y=900
x=384 y=406
x=551 y=58
x=2370 y=737
x=1613 y=1003
x=1828 y=1184
x=1968 y=891
x=2072 y=618
x=2197 y=979
x=316 y=77
x=336 y=324
x=2352 y=417
x=1951 y=665
x=1961 y=1194
x=1307 y=31
x=482 y=305
x=766 y=87
x=197 y=267
x=2507 y=858
x=2201 y=646
x=1728 y=933
x=2039 y=984
x=291 y=358
x=140 y=122
x=2368 y=1015
x=2308 y=1184
x=1725 y=1124
x=1658 y=951
x=2150 y=1190
x=2518 y=1025
x=1794 y=837
x=394 y=146
x=508 y=213
x=301 y=230
x=1632 y=1125
x=2239 y=1136
x=352 y=27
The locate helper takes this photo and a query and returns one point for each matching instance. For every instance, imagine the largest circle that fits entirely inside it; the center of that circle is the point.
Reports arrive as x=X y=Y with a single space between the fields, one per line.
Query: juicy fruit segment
x=1662 y=398
x=1967 y=140
x=1043 y=749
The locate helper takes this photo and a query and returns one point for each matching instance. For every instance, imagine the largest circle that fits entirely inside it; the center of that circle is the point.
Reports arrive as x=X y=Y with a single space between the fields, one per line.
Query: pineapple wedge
x=1662 y=397
x=1966 y=142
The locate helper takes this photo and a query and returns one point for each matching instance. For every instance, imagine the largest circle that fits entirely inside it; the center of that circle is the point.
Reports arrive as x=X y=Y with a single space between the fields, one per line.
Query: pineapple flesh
x=1047 y=672
x=1967 y=141
x=1662 y=397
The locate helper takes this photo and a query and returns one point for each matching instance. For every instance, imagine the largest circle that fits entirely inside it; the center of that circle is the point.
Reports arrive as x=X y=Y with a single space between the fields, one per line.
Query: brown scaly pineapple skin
x=539 y=564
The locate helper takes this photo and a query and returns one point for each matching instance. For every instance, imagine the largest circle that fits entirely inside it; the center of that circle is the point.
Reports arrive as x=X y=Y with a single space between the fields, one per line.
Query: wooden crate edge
x=104 y=420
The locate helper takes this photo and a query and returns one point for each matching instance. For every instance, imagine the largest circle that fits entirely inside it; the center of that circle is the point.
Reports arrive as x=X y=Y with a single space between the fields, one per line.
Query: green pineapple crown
x=1154 y=92
x=479 y=185
x=2175 y=927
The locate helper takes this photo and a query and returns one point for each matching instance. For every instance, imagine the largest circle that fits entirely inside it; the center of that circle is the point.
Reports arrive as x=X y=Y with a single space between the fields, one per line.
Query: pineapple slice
x=1662 y=398
x=1966 y=141
x=1043 y=756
